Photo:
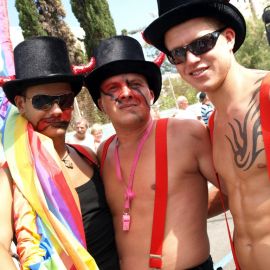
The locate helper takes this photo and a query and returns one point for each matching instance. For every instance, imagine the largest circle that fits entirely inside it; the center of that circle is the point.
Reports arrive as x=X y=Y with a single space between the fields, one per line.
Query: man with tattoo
x=200 y=39
x=123 y=85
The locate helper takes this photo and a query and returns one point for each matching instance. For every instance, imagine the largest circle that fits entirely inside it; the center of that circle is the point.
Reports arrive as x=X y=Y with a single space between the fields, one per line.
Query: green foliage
x=46 y=18
x=254 y=53
x=29 y=19
x=95 y=19
x=173 y=86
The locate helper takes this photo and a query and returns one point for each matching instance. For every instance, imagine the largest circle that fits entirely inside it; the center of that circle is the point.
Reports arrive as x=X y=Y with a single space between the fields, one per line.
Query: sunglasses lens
x=177 y=56
x=45 y=102
x=66 y=101
x=203 y=44
x=41 y=102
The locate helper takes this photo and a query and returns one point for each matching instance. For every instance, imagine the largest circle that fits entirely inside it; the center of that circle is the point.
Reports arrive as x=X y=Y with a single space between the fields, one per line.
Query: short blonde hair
x=95 y=128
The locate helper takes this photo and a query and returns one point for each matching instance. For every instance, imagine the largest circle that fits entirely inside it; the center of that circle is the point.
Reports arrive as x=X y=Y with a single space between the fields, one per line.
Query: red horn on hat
x=4 y=79
x=144 y=38
x=160 y=59
x=76 y=70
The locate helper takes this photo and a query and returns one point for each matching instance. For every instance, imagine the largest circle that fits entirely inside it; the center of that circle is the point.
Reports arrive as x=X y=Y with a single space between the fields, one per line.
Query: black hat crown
x=118 y=55
x=41 y=60
x=174 y=12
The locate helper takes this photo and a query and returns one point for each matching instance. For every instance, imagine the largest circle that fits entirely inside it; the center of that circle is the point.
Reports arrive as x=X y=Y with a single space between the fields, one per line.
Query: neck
x=60 y=146
x=131 y=135
x=232 y=89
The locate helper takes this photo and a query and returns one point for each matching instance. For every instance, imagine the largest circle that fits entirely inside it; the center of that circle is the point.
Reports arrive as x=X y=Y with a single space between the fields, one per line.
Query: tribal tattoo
x=244 y=144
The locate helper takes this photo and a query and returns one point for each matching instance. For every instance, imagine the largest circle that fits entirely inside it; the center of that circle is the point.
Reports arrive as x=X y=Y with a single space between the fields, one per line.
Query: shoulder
x=185 y=126
x=187 y=131
x=104 y=146
x=85 y=151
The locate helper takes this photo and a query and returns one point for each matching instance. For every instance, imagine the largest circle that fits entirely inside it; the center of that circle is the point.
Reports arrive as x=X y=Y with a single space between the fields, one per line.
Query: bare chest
x=238 y=146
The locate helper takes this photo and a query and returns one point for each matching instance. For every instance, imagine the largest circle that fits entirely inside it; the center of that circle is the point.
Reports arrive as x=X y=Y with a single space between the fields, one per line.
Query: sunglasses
x=45 y=102
x=197 y=47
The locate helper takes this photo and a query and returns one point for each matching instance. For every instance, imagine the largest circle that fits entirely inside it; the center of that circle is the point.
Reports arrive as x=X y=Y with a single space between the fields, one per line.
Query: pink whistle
x=126 y=221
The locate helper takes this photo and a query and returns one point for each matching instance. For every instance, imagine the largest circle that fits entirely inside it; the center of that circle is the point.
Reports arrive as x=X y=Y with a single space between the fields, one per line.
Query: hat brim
x=224 y=12
x=146 y=68
x=16 y=87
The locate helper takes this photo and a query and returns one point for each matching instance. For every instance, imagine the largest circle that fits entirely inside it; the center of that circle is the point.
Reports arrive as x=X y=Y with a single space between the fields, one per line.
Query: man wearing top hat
x=200 y=38
x=124 y=86
x=60 y=210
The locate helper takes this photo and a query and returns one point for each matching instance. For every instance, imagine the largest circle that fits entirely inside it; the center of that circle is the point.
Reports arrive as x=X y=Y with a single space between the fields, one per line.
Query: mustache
x=54 y=122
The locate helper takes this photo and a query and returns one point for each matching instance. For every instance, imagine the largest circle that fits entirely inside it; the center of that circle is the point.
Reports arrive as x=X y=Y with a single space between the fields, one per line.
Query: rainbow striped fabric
x=48 y=222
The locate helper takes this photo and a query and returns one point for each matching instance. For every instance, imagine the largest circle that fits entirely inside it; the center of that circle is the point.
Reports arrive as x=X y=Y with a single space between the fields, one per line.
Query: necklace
x=66 y=161
x=129 y=193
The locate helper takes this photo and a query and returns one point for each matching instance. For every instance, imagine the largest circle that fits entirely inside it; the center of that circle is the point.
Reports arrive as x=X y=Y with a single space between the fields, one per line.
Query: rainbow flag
x=47 y=220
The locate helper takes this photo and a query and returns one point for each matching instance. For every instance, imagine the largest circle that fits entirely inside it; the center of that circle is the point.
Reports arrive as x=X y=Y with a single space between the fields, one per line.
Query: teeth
x=198 y=72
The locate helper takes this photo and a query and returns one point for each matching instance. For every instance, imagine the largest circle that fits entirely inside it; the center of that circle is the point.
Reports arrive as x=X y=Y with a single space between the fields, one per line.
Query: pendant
x=68 y=163
x=126 y=221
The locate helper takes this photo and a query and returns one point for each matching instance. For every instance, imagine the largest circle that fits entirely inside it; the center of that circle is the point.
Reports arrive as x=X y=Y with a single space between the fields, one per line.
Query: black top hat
x=174 y=12
x=117 y=55
x=41 y=60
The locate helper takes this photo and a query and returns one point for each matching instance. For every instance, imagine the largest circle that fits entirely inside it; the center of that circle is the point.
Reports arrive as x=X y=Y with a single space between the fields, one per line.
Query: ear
x=100 y=105
x=152 y=97
x=230 y=37
x=20 y=103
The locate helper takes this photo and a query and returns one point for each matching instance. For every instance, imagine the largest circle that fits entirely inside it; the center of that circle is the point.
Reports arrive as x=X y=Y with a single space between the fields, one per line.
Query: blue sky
x=127 y=14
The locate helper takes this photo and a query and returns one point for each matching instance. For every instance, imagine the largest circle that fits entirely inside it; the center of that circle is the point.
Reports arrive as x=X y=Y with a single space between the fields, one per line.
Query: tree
x=29 y=19
x=40 y=17
x=95 y=19
x=254 y=53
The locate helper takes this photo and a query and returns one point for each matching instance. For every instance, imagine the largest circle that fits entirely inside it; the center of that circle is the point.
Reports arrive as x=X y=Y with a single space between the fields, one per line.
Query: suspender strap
x=104 y=152
x=211 y=129
x=160 y=206
x=265 y=113
x=84 y=152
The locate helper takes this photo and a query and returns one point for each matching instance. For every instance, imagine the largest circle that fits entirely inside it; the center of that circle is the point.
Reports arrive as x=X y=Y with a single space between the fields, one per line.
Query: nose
x=56 y=109
x=192 y=58
x=126 y=93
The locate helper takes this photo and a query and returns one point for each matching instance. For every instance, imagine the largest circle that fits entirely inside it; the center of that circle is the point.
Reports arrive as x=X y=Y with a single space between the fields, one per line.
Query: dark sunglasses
x=197 y=47
x=45 y=102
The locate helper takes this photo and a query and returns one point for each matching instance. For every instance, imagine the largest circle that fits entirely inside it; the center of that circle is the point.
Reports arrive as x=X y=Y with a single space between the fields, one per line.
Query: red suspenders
x=159 y=216
x=160 y=205
x=265 y=115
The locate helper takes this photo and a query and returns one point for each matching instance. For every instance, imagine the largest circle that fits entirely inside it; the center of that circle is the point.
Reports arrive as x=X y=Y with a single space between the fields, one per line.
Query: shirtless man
x=123 y=86
x=76 y=210
x=202 y=48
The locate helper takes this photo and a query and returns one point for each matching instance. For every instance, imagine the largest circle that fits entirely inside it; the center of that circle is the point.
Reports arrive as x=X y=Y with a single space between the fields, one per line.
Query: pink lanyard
x=129 y=193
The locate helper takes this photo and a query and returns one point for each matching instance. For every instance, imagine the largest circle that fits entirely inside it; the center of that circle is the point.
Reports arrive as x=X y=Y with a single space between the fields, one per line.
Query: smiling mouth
x=198 y=72
x=126 y=106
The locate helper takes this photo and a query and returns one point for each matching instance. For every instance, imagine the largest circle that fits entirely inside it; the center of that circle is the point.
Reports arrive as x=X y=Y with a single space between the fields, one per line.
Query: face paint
x=56 y=122
x=115 y=92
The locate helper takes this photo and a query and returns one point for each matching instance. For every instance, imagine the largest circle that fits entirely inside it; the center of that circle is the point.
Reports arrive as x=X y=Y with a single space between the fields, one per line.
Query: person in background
x=81 y=135
x=124 y=86
x=60 y=209
x=206 y=107
x=97 y=133
x=200 y=37
x=183 y=111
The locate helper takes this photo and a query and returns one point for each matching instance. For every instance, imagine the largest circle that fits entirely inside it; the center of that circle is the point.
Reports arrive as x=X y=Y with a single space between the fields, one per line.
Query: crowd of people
x=138 y=199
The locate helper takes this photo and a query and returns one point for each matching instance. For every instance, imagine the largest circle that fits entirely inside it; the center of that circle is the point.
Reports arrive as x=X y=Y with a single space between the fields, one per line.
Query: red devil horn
x=144 y=38
x=4 y=79
x=160 y=59
x=76 y=70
